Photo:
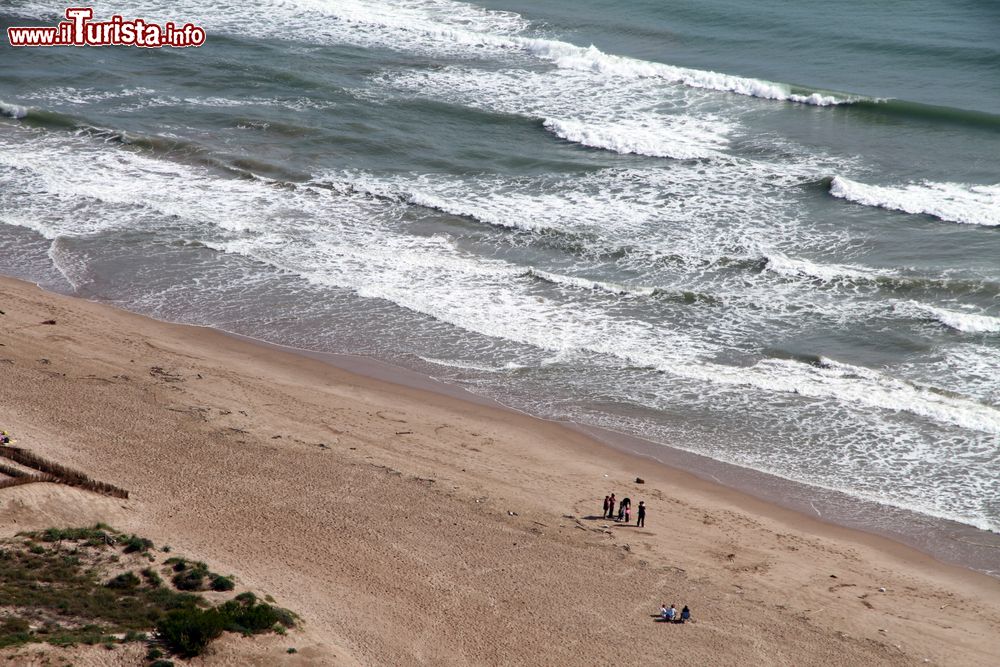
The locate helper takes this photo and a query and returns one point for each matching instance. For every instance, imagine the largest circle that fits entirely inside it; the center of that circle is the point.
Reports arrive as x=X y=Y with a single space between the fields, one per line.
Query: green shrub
x=161 y=663
x=168 y=600
x=14 y=631
x=243 y=614
x=187 y=632
x=95 y=536
x=179 y=564
x=154 y=654
x=152 y=578
x=133 y=544
x=189 y=580
x=220 y=583
x=125 y=580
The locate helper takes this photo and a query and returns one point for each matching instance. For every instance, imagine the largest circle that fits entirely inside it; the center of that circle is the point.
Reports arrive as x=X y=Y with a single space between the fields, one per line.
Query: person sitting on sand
x=671 y=614
x=663 y=611
x=4 y=438
x=685 y=614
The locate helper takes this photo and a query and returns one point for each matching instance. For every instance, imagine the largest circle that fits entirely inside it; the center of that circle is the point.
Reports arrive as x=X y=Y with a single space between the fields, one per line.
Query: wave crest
x=592 y=59
x=959 y=321
x=951 y=202
x=14 y=111
x=626 y=138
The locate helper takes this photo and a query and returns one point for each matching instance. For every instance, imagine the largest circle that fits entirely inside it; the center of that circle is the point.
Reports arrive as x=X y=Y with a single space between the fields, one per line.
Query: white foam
x=586 y=284
x=968 y=322
x=871 y=388
x=435 y=279
x=625 y=137
x=952 y=202
x=978 y=363
x=12 y=110
x=786 y=266
x=665 y=228
x=638 y=117
x=730 y=209
x=592 y=59
x=81 y=96
x=66 y=185
x=470 y=366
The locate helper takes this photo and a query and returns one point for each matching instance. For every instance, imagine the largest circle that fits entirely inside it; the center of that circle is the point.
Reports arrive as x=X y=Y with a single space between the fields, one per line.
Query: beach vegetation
x=125 y=580
x=93 y=586
x=187 y=632
x=221 y=583
x=133 y=544
x=189 y=580
x=152 y=577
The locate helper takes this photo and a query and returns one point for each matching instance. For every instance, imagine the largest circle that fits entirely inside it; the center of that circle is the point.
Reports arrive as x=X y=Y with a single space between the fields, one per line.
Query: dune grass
x=96 y=586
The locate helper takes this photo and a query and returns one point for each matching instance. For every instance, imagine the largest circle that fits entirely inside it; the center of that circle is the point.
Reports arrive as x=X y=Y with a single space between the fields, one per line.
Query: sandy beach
x=407 y=526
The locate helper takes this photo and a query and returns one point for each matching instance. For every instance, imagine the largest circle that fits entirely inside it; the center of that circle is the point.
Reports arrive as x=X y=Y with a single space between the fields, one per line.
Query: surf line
x=79 y=30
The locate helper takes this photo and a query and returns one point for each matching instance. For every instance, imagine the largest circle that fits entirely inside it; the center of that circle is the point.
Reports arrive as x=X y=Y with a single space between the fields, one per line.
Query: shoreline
x=944 y=540
x=498 y=473
x=947 y=541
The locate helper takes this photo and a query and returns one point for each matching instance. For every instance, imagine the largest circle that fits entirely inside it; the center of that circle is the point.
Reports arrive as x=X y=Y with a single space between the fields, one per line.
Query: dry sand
x=410 y=527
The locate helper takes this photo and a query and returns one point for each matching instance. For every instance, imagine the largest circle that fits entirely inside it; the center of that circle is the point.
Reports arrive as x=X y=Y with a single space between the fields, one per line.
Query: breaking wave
x=951 y=202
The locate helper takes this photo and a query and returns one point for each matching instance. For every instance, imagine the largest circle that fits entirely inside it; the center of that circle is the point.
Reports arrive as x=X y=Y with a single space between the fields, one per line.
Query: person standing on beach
x=611 y=506
x=628 y=512
x=606 y=499
x=640 y=517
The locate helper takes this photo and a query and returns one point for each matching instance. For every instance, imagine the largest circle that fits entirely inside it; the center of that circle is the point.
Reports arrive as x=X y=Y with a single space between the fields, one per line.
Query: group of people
x=671 y=615
x=624 y=510
x=624 y=514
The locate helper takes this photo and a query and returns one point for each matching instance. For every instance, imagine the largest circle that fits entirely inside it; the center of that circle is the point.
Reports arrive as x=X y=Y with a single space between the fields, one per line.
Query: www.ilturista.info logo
x=79 y=30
